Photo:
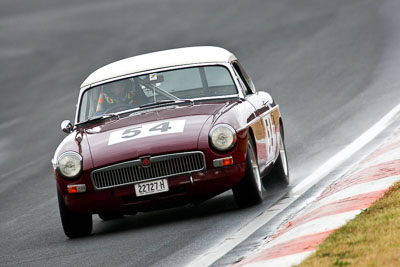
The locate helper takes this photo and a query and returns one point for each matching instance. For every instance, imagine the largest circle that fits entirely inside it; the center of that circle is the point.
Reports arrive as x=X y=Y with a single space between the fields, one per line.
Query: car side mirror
x=67 y=126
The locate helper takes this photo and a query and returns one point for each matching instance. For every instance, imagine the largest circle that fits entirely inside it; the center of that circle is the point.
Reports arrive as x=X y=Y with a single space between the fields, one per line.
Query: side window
x=245 y=77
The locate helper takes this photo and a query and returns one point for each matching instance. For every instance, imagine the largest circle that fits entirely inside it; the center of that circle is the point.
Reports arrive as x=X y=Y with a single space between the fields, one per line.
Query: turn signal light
x=76 y=188
x=223 y=162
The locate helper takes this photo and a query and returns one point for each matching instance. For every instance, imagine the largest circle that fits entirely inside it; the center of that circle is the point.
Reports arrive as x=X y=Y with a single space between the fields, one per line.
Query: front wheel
x=248 y=191
x=74 y=224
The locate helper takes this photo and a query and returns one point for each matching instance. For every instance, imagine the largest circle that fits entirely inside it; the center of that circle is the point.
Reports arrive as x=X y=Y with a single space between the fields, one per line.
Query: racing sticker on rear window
x=146 y=130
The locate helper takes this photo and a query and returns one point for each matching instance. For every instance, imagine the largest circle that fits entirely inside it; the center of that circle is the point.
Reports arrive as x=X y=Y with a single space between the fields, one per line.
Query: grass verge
x=370 y=239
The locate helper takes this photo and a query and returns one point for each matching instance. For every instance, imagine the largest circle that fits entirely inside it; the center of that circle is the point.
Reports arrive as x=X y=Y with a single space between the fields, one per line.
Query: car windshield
x=157 y=87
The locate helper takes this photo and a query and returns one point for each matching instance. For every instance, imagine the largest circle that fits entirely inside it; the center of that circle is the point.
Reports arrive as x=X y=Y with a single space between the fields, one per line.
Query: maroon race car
x=163 y=130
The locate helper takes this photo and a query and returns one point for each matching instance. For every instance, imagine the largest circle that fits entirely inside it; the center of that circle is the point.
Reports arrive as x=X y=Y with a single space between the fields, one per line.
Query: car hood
x=152 y=132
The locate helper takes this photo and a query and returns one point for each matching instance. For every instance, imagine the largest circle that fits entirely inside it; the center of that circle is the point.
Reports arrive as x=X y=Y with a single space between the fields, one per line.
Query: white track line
x=348 y=151
x=217 y=252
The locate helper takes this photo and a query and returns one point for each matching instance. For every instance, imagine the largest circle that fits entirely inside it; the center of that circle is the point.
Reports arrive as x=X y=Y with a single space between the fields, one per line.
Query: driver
x=114 y=95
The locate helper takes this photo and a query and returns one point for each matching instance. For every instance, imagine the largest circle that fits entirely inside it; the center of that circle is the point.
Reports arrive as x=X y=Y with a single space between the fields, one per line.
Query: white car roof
x=161 y=59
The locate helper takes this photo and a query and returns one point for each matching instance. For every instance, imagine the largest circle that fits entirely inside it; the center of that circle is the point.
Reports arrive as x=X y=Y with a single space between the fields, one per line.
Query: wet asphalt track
x=333 y=66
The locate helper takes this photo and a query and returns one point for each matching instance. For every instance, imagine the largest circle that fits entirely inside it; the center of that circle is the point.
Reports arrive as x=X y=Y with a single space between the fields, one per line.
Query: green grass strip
x=370 y=239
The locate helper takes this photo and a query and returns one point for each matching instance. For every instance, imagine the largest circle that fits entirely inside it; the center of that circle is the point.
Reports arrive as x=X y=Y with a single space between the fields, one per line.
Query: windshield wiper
x=160 y=102
x=101 y=117
x=157 y=103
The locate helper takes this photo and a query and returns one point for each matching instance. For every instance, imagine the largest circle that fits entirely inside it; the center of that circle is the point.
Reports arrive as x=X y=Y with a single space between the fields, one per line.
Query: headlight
x=69 y=165
x=222 y=137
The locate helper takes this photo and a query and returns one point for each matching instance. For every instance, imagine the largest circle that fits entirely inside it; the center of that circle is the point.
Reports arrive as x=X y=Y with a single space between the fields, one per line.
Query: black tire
x=74 y=225
x=111 y=216
x=279 y=174
x=248 y=191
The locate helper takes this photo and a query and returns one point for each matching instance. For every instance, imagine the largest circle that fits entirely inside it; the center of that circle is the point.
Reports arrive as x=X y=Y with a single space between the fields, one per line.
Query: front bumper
x=183 y=190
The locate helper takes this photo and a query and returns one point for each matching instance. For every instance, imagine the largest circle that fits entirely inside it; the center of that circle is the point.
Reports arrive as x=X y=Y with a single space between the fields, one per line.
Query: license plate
x=153 y=187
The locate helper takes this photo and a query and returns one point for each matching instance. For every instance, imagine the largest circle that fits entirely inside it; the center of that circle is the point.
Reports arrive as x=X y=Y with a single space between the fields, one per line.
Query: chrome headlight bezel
x=217 y=131
x=75 y=158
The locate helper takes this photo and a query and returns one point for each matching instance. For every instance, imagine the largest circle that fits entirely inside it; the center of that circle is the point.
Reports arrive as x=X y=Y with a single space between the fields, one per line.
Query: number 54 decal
x=145 y=130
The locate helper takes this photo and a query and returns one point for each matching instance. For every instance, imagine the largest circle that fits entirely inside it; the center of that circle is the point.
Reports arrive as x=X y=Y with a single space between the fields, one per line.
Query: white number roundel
x=145 y=130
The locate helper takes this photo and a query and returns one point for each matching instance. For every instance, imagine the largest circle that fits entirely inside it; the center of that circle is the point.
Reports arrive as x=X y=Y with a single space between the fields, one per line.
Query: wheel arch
x=252 y=137
x=282 y=128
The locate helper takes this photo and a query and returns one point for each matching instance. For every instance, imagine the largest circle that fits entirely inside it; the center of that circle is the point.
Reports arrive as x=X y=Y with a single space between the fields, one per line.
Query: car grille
x=131 y=172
